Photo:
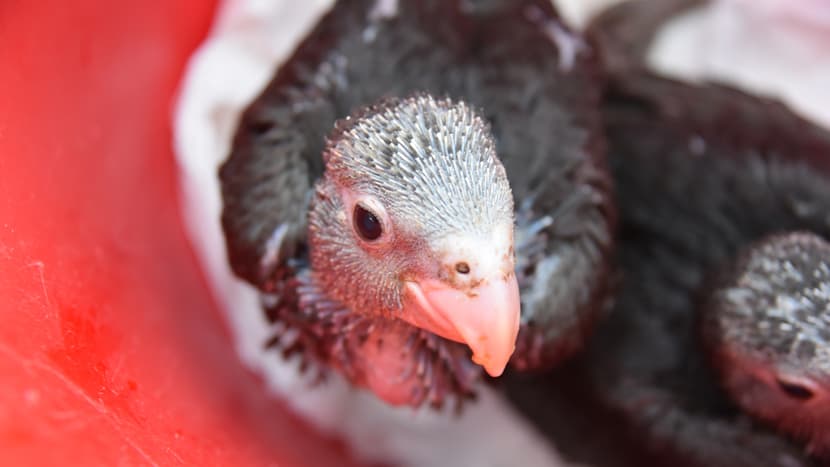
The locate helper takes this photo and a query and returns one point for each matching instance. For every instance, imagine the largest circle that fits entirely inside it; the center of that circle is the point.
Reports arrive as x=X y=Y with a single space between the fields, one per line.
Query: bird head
x=413 y=221
x=768 y=328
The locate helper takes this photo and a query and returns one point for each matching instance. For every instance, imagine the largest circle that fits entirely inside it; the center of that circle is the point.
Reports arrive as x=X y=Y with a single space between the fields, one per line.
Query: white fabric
x=779 y=48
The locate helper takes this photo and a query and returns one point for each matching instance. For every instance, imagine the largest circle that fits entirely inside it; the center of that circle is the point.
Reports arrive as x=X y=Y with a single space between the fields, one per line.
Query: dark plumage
x=706 y=176
x=345 y=300
x=702 y=172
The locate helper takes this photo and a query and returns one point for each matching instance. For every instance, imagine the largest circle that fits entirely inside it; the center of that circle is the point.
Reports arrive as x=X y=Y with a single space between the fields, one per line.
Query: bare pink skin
x=389 y=374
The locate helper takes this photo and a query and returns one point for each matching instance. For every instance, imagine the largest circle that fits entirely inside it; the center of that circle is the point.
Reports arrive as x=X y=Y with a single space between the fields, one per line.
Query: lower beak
x=485 y=317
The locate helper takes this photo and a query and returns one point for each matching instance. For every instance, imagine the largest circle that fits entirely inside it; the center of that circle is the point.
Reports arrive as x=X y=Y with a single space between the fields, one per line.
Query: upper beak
x=484 y=316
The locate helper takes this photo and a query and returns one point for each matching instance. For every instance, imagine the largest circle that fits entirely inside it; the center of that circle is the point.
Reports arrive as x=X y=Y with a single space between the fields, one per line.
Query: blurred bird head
x=768 y=327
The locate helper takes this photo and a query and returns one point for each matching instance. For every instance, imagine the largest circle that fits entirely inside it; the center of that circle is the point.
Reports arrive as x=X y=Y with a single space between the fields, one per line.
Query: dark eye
x=795 y=390
x=367 y=223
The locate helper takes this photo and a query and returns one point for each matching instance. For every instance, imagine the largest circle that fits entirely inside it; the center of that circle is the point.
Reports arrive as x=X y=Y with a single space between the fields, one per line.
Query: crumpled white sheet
x=777 y=48
x=249 y=40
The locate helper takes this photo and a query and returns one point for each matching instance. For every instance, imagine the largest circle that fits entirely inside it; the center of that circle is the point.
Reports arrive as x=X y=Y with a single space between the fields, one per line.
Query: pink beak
x=485 y=316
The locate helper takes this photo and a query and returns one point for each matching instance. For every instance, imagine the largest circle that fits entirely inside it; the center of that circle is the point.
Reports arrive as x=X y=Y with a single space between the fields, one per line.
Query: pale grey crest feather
x=425 y=155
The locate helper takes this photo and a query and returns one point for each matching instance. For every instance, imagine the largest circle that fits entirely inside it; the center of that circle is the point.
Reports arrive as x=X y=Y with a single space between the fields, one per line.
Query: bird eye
x=462 y=267
x=795 y=390
x=366 y=223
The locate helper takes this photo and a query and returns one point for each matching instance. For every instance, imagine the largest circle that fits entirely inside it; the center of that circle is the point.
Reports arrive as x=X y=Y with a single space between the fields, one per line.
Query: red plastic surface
x=111 y=351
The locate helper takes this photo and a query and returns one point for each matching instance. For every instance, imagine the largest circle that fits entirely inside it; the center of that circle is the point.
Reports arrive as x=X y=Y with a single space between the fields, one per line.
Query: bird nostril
x=462 y=267
x=795 y=390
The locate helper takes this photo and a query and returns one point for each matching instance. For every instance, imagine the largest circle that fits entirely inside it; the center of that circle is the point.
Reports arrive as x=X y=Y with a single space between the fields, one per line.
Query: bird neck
x=400 y=363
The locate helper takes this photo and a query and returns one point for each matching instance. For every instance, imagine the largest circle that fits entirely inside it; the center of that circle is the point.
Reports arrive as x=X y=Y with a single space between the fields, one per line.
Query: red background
x=111 y=350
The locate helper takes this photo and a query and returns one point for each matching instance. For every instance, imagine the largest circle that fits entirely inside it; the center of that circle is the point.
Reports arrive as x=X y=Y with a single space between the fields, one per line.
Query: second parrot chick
x=768 y=329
